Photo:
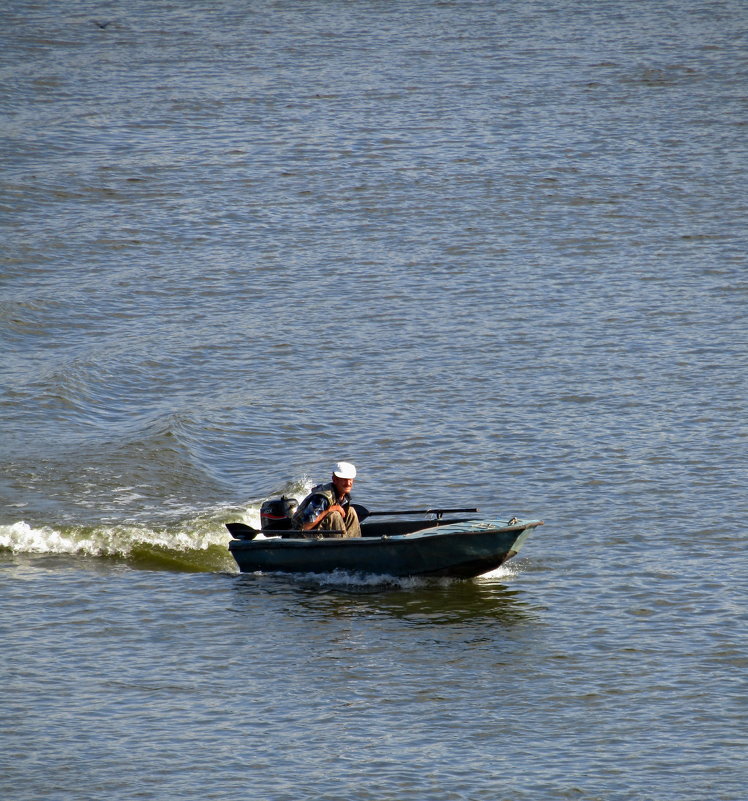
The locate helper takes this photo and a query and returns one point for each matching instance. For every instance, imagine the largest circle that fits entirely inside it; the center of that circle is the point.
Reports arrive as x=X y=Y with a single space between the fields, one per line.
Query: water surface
x=493 y=254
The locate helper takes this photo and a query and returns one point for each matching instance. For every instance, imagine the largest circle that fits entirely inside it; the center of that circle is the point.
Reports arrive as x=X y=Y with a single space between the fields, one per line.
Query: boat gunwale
x=432 y=532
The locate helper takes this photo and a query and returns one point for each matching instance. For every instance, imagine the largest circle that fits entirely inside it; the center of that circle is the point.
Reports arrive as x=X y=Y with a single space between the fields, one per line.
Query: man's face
x=342 y=485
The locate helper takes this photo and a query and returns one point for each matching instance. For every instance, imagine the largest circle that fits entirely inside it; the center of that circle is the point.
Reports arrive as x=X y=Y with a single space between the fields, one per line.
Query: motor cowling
x=276 y=514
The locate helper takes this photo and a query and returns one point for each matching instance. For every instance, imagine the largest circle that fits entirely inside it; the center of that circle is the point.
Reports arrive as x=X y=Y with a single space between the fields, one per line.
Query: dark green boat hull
x=456 y=549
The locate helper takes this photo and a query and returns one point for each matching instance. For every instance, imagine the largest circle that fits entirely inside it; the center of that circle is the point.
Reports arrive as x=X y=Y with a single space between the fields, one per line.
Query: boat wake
x=188 y=546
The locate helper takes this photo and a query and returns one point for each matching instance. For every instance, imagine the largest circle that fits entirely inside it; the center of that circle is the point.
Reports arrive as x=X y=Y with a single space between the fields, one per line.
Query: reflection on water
x=417 y=601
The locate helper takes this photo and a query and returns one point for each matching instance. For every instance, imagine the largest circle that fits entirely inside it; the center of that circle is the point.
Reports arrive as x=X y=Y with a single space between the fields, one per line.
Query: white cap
x=344 y=470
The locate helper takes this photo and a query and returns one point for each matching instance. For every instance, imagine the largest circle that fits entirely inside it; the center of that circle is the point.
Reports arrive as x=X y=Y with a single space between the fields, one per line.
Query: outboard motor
x=276 y=514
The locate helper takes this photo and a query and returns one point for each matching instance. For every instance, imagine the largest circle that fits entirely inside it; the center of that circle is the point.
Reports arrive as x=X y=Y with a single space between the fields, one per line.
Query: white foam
x=505 y=571
x=341 y=579
x=115 y=540
x=20 y=537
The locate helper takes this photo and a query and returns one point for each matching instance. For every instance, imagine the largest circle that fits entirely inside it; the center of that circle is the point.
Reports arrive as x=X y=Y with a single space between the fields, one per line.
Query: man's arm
x=316 y=511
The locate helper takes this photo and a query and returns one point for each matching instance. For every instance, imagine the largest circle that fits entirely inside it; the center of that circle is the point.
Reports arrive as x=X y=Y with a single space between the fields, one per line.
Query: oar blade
x=241 y=531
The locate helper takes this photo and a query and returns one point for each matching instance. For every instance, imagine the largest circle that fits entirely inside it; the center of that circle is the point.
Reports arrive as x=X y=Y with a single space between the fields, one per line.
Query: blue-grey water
x=493 y=253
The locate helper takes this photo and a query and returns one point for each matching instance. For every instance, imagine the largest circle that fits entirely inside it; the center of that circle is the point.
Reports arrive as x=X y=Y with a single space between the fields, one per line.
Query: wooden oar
x=363 y=512
x=241 y=531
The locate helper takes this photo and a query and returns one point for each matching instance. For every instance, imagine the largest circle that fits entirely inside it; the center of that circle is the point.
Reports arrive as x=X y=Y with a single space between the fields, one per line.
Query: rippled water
x=492 y=253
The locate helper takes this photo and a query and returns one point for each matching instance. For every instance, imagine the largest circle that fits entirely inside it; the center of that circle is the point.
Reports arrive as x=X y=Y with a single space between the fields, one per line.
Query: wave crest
x=196 y=546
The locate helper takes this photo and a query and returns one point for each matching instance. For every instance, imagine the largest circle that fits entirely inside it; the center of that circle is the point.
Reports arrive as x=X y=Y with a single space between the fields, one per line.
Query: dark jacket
x=322 y=497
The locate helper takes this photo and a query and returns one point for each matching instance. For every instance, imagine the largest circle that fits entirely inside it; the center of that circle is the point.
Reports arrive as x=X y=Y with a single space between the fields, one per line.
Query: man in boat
x=328 y=506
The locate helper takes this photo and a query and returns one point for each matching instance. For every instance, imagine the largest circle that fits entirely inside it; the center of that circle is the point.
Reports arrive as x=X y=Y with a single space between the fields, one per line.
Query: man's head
x=342 y=477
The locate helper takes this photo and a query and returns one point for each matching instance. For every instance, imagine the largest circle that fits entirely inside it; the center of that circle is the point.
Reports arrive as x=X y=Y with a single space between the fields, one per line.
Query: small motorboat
x=458 y=547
